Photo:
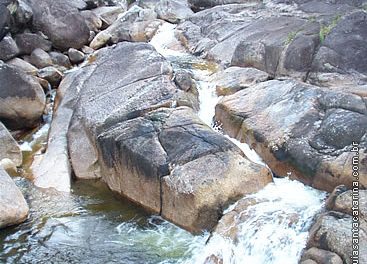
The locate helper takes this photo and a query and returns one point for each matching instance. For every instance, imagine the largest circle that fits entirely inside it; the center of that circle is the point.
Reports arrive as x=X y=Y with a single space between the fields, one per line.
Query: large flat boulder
x=137 y=131
x=301 y=130
x=22 y=99
x=318 y=41
x=9 y=148
x=53 y=169
x=248 y=35
x=13 y=207
x=61 y=22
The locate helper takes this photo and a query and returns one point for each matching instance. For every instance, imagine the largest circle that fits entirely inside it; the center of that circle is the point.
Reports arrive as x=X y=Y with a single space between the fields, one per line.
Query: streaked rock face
x=299 y=129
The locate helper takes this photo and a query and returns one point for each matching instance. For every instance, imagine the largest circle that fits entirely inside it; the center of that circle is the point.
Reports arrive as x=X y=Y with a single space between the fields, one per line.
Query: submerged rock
x=134 y=128
x=301 y=130
x=22 y=99
x=13 y=207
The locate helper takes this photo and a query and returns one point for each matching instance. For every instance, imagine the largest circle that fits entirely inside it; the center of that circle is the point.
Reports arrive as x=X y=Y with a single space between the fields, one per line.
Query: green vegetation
x=291 y=36
x=326 y=29
x=312 y=19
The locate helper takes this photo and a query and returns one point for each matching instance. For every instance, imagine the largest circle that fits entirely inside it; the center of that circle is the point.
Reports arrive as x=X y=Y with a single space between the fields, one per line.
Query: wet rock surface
x=53 y=169
x=9 y=148
x=13 y=207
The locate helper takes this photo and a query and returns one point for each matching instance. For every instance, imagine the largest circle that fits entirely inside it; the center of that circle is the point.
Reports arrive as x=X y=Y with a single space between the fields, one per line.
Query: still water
x=92 y=225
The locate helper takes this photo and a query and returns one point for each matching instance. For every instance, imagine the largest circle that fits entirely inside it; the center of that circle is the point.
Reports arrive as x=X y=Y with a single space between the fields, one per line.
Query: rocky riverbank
x=292 y=77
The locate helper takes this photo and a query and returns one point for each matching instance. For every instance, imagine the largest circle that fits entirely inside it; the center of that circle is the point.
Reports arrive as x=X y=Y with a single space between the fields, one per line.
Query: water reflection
x=91 y=225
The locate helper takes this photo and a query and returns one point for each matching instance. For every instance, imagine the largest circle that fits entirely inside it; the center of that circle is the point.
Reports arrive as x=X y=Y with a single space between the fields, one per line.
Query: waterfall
x=275 y=229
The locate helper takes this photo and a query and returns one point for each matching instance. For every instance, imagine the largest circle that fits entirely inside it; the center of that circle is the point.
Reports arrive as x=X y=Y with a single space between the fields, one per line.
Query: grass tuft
x=326 y=29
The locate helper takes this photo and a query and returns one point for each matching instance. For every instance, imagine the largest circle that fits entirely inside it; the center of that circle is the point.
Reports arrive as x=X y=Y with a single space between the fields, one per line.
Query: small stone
x=50 y=74
x=184 y=81
x=8 y=48
x=321 y=256
x=24 y=13
x=75 y=56
x=92 y=35
x=60 y=59
x=108 y=14
x=40 y=58
x=28 y=42
x=94 y=23
x=23 y=65
x=87 y=50
x=44 y=83
x=234 y=79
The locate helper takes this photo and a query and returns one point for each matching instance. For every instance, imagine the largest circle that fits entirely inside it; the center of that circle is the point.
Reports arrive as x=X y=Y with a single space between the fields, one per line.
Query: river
x=93 y=225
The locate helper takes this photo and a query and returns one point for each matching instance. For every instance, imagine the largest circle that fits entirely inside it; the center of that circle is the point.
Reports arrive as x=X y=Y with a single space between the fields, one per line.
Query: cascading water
x=276 y=228
x=91 y=225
